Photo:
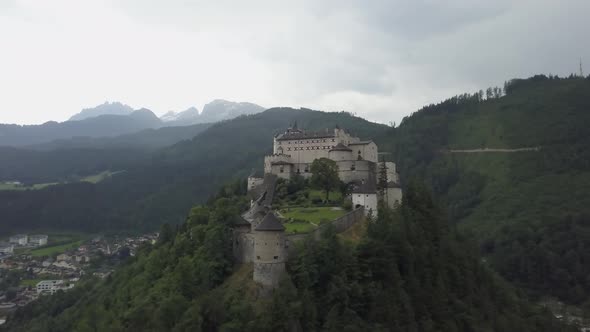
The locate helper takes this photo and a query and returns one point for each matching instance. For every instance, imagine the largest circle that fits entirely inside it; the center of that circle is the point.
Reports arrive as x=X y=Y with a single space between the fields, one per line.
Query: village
x=35 y=265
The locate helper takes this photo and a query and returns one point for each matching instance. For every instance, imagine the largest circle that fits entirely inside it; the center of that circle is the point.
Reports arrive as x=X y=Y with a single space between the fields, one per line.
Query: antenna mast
x=581 y=70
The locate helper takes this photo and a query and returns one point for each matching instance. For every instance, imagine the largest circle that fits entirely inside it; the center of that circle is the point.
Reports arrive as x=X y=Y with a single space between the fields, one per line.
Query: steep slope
x=528 y=209
x=114 y=108
x=159 y=188
x=103 y=125
x=409 y=273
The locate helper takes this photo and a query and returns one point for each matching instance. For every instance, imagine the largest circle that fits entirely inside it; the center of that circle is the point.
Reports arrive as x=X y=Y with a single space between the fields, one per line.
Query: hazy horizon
x=381 y=60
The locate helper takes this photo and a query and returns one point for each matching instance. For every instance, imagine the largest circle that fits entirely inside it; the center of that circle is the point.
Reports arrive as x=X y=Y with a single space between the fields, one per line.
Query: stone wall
x=268 y=274
x=243 y=247
x=340 y=225
x=356 y=170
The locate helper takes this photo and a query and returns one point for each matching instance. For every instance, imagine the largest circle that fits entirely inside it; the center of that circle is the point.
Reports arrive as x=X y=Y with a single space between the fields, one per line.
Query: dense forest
x=410 y=272
x=528 y=210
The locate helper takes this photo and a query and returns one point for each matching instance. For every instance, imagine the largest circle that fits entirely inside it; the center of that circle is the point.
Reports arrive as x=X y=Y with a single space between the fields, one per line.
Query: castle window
x=352 y=167
x=281 y=169
x=257 y=257
x=307 y=148
x=288 y=149
x=276 y=257
x=333 y=140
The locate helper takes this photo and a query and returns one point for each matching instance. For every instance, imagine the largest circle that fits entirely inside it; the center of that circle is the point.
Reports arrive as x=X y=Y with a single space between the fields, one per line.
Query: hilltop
x=409 y=272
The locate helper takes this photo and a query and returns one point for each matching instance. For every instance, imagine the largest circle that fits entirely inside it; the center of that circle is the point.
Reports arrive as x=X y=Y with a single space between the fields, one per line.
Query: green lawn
x=30 y=282
x=56 y=249
x=335 y=196
x=305 y=220
x=315 y=215
x=298 y=227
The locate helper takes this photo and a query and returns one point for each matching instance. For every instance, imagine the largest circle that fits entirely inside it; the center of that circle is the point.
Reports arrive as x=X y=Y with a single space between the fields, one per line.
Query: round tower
x=270 y=253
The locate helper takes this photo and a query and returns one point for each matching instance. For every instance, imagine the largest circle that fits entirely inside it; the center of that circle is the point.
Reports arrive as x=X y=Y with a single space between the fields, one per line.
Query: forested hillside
x=529 y=210
x=410 y=272
x=159 y=187
x=99 y=126
x=144 y=139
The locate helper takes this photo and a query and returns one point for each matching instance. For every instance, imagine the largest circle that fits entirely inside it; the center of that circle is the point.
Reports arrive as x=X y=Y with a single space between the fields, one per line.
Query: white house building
x=6 y=248
x=19 y=239
x=52 y=286
x=38 y=240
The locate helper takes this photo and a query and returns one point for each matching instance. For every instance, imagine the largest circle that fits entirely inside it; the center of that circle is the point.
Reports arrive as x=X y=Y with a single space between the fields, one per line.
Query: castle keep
x=259 y=235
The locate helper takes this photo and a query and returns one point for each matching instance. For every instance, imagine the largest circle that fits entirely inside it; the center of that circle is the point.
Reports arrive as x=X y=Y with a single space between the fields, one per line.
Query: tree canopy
x=325 y=175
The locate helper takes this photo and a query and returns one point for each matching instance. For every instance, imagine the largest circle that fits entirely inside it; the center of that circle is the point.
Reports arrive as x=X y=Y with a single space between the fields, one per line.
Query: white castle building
x=358 y=163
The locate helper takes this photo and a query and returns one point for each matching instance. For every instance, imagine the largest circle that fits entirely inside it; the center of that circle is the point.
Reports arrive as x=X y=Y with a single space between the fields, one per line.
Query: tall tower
x=270 y=252
x=581 y=70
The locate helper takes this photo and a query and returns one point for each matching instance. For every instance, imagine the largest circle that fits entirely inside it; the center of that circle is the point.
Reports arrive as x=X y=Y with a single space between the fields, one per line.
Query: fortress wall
x=270 y=255
x=391 y=172
x=254 y=182
x=340 y=225
x=393 y=196
x=366 y=151
x=282 y=171
x=268 y=274
x=269 y=247
x=362 y=170
x=274 y=158
x=243 y=247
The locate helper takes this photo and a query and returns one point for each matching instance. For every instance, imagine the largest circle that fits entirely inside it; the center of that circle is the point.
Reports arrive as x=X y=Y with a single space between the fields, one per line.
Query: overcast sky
x=379 y=59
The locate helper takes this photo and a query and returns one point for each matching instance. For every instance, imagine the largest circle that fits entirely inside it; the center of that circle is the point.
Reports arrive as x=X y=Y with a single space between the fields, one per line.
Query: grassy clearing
x=10 y=186
x=96 y=178
x=305 y=220
x=295 y=227
x=315 y=215
x=30 y=282
x=55 y=249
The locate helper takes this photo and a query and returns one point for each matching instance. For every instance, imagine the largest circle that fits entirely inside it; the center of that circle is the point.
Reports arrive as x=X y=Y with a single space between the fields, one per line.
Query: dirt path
x=486 y=150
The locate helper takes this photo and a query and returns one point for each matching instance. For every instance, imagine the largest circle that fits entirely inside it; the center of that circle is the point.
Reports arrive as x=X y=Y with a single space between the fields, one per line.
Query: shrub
x=347 y=205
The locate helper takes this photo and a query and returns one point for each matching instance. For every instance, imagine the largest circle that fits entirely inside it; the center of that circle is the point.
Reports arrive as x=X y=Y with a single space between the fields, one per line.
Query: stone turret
x=270 y=252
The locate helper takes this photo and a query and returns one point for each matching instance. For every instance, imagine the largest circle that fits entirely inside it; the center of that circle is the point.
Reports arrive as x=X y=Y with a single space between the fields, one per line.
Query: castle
x=258 y=234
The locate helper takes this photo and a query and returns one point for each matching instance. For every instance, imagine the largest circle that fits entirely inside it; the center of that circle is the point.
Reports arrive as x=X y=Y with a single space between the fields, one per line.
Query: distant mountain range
x=114 y=108
x=115 y=119
x=99 y=126
x=214 y=111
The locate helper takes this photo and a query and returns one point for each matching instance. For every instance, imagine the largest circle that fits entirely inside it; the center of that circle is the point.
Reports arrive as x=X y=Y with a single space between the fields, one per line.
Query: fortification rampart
x=340 y=225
